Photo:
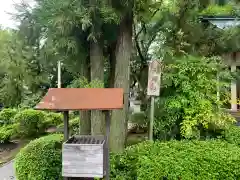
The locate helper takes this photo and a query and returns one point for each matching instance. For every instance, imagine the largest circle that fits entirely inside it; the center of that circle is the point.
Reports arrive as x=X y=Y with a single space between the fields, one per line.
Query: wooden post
x=218 y=91
x=66 y=130
x=107 y=160
x=59 y=74
x=151 y=119
x=66 y=125
x=233 y=90
x=218 y=88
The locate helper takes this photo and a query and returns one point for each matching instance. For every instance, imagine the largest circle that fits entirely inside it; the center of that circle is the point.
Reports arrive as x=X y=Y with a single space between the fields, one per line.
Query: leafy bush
x=7 y=115
x=177 y=160
x=232 y=135
x=140 y=120
x=7 y=132
x=73 y=125
x=215 y=10
x=31 y=123
x=188 y=106
x=54 y=119
x=30 y=100
x=73 y=114
x=84 y=83
x=40 y=159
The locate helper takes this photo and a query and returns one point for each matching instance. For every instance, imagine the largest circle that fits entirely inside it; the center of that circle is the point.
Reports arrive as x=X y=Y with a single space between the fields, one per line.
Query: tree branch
x=143 y=26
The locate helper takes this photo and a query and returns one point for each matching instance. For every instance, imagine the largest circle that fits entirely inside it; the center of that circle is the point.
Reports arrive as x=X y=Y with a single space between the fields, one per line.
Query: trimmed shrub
x=73 y=125
x=40 y=159
x=7 y=115
x=54 y=119
x=7 y=132
x=232 y=135
x=31 y=123
x=178 y=160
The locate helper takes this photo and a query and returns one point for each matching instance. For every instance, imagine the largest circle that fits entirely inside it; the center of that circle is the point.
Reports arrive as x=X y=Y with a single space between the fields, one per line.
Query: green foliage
x=166 y=122
x=21 y=76
x=84 y=83
x=30 y=100
x=177 y=160
x=40 y=159
x=73 y=125
x=7 y=115
x=7 y=132
x=31 y=123
x=54 y=119
x=232 y=135
x=190 y=97
x=214 y=10
x=73 y=114
x=13 y=69
x=229 y=40
x=140 y=120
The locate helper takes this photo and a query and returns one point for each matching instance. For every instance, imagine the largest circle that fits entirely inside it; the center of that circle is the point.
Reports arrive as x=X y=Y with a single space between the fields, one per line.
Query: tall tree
x=96 y=60
x=122 y=73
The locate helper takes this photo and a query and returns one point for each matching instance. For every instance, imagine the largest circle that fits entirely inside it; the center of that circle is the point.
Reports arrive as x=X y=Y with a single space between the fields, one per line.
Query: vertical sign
x=154 y=83
x=154 y=78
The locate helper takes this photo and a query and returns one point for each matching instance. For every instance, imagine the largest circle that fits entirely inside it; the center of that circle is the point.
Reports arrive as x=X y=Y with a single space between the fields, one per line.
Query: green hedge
x=232 y=135
x=216 y=10
x=7 y=132
x=7 y=115
x=175 y=160
x=40 y=159
x=73 y=125
x=31 y=123
x=140 y=120
x=54 y=119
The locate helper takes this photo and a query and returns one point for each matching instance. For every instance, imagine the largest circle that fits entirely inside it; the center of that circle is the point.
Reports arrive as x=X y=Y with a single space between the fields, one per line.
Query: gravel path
x=7 y=172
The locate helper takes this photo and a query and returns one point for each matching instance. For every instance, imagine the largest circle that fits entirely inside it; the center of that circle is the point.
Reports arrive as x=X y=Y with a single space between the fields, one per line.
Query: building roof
x=65 y=99
x=222 y=22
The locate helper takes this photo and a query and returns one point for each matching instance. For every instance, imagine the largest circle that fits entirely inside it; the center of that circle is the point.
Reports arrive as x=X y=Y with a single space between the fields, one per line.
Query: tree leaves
x=194 y=94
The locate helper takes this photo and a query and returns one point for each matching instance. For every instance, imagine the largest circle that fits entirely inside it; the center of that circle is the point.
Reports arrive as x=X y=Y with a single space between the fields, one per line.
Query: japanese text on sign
x=154 y=78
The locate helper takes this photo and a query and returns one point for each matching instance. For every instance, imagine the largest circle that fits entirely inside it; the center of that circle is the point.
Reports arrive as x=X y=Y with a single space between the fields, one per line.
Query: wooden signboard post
x=84 y=156
x=154 y=83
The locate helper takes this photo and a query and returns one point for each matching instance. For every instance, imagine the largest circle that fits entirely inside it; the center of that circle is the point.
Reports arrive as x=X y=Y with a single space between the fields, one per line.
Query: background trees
x=110 y=42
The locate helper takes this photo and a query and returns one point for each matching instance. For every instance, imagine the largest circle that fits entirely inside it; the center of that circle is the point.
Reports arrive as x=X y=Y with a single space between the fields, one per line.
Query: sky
x=7 y=6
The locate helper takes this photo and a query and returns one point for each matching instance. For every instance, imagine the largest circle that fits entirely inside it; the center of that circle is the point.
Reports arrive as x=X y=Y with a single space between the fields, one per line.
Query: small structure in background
x=232 y=58
x=84 y=156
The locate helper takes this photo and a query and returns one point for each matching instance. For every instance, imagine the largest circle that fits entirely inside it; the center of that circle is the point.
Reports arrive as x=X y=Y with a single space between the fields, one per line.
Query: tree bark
x=122 y=75
x=97 y=73
x=85 y=116
x=112 y=65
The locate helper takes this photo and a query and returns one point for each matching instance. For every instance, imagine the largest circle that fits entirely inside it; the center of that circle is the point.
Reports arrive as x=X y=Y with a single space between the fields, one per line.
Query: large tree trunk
x=112 y=64
x=85 y=116
x=97 y=73
x=122 y=74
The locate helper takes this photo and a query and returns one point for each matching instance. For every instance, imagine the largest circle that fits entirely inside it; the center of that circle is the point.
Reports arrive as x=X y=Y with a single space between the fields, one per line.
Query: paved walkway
x=7 y=172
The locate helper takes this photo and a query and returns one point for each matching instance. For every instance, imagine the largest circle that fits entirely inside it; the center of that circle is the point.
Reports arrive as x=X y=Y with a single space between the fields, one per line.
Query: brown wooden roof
x=82 y=99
